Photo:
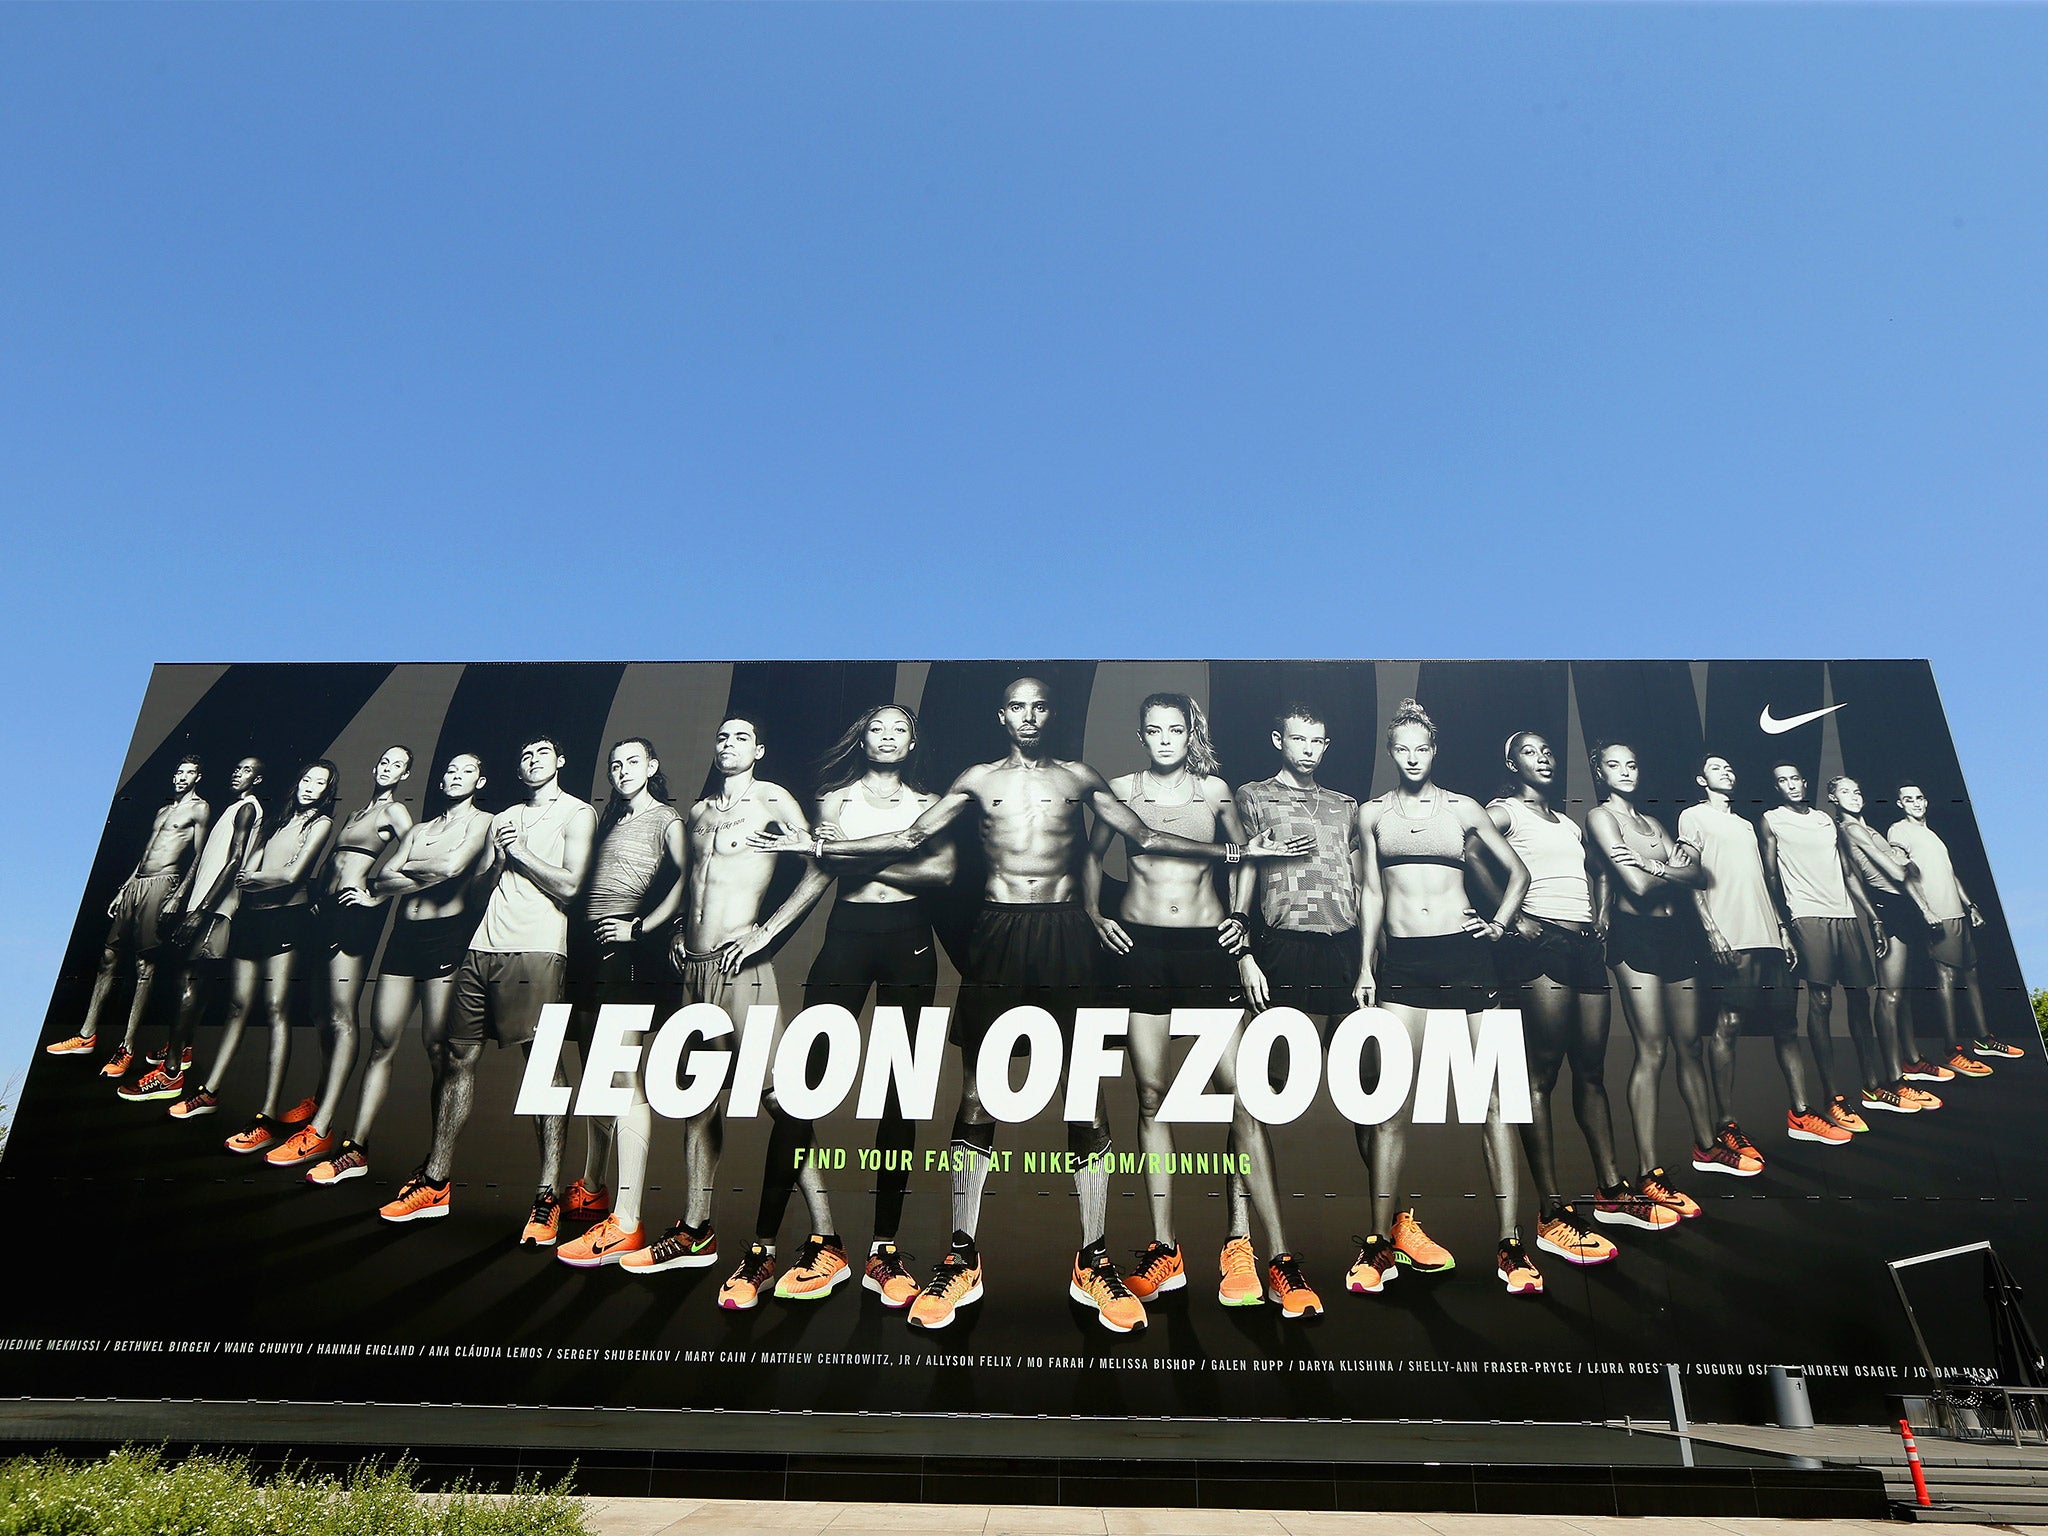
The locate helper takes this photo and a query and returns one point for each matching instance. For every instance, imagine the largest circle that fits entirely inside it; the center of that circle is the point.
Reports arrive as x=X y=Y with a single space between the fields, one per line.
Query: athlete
x=1885 y=872
x=138 y=911
x=1437 y=953
x=1752 y=955
x=351 y=921
x=1552 y=956
x=1654 y=949
x=725 y=883
x=431 y=877
x=1032 y=945
x=271 y=926
x=1822 y=898
x=199 y=915
x=514 y=967
x=635 y=889
x=1950 y=917
x=878 y=935
x=1174 y=946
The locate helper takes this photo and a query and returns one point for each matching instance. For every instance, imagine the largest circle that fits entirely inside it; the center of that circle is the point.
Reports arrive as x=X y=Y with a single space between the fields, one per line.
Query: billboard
x=1321 y=1039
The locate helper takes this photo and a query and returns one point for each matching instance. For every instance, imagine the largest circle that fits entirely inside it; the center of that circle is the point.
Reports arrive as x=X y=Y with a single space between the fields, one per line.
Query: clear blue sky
x=375 y=332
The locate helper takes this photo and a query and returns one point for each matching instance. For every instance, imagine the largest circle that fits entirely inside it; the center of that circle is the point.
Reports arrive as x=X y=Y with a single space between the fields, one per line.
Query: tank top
x=282 y=896
x=1874 y=876
x=627 y=861
x=521 y=918
x=1434 y=839
x=213 y=858
x=1555 y=854
x=1809 y=868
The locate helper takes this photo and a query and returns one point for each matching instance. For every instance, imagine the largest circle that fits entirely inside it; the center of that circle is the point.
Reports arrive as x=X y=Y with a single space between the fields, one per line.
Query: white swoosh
x=1775 y=727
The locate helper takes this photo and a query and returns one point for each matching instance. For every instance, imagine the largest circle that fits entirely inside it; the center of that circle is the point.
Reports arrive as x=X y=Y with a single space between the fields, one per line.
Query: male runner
x=725 y=882
x=1950 y=915
x=1806 y=861
x=201 y=909
x=1752 y=953
x=515 y=966
x=138 y=910
x=1032 y=945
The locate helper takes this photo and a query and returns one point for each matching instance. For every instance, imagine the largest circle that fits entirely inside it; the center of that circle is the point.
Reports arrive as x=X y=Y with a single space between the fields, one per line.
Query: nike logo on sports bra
x=1772 y=726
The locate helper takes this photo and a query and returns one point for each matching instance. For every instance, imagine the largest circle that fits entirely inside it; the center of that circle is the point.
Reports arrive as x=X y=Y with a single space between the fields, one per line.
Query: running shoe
x=954 y=1283
x=1841 y=1114
x=1654 y=1186
x=1376 y=1264
x=1287 y=1286
x=677 y=1248
x=1925 y=1071
x=1626 y=1206
x=586 y=1204
x=153 y=1084
x=1734 y=1139
x=1722 y=1158
x=255 y=1136
x=1963 y=1066
x=1919 y=1098
x=118 y=1064
x=301 y=1112
x=1991 y=1045
x=889 y=1277
x=1561 y=1234
x=75 y=1045
x=304 y=1145
x=1159 y=1268
x=156 y=1057
x=1097 y=1284
x=743 y=1287
x=201 y=1103
x=543 y=1222
x=417 y=1200
x=1413 y=1247
x=1513 y=1266
x=350 y=1161
x=1240 y=1268
x=818 y=1269
x=1892 y=1099
x=1808 y=1126
x=606 y=1243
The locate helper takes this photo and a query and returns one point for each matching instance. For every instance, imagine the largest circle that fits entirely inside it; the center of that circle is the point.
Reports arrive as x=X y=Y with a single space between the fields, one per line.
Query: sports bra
x=1436 y=839
x=1193 y=818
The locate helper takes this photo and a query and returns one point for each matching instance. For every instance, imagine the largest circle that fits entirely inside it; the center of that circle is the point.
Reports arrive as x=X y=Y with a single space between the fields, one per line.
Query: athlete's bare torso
x=728 y=880
x=1165 y=891
x=173 y=836
x=375 y=825
x=1031 y=827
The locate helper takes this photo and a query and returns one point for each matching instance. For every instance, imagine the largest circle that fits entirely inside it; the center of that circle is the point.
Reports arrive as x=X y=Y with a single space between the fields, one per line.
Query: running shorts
x=428 y=948
x=1757 y=985
x=886 y=945
x=1668 y=948
x=259 y=933
x=752 y=986
x=138 y=913
x=1900 y=916
x=205 y=949
x=1834 y=951
x=1442 y=970
x=350 y=930
x=639 y=972
x=1023 y=954
x=1315 y=972
x=1568 y=957
x=1952 y=943
x=1171 y=968
x=499 y=997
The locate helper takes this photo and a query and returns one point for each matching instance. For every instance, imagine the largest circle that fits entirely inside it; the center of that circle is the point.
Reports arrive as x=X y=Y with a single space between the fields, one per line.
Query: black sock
x=963 y=1247
x=787 y=1136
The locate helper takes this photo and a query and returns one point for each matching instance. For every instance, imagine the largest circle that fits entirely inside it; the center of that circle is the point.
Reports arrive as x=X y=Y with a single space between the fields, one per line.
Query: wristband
x=1233 y=853
x=1239 y=917
x=632 y=930
x=818 y=846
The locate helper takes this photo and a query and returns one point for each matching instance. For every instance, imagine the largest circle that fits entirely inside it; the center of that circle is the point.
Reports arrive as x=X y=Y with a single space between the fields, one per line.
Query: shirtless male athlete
x=138 y=910
x=1032 y=945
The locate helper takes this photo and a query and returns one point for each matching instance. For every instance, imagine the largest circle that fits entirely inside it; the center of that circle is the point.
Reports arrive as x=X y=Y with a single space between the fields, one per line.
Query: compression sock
x=976 y=1140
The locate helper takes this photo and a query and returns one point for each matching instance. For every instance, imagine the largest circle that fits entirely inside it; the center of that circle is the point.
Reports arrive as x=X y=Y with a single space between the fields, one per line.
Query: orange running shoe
x=1719 y=1157
x=1654 y=1186
x=1733 y=1138
x=543 y=1222
x=201 y=1103
x=1513 y=1266
x=350 y=1161
x=118 y=1063
x=156 y=1057
x=888 y=1276
x=1838 y=1110
x=586 y=1204
x=74 y=1045
x=1991 y=1045
x=818 y=1269
x=606 y=1243
x=1626 y=1206
x=1925 y=1071
x=1962 y=1066
x=1812 y=1127
x=153 y=1084
x=677 y=1248
x=255 y=1136
x=743 y=1287
x=1097 y=1284
x=1413 y=1247
x=1376 y=1264
x=1892 y=1100
x=301 y=1112
x=1289 y=1287
x=954 y=1284
x=1240 y=1267
x=1919 y=1098
x=1159 y=1268
x=417 y=1200
x=304 y=1145
x=1561 y=1234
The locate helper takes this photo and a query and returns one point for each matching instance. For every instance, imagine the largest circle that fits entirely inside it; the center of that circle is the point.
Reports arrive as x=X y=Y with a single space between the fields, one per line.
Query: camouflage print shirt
x=1316 y=894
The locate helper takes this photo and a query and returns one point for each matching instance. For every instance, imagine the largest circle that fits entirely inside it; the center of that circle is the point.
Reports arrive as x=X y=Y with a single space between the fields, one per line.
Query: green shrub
x=2041 y=1011
x=136 y=1493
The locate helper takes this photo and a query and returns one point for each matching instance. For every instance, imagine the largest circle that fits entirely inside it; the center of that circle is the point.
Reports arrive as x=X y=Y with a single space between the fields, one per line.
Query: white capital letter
x=1482 y=1062
x=1255 y=1065
x=914 y=1070
x=1347 y=1066
x=1040 y=1033
x=1092 y=1060
x=609 y=1057
x=1188 y=1098
x=538 y=1092
x=670 y=1098
x=840 y=1031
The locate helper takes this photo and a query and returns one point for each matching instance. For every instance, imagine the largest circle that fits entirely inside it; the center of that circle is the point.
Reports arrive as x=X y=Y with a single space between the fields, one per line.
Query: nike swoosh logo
x=925 y=951
x=1772 y=726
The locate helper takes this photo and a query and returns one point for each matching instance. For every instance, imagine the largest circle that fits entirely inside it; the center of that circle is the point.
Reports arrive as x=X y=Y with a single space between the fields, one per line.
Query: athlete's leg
x=912 y=985
x=974 y=1140
x=102 y=984
x=1869 y=1060
x=453 y=1100
x=1088 y=1144
x=635 y=1136
x=550 y=1132
x=243 y=978
x=1894 y=1031
x=1720 y=1053
x=703 y=1142
x=277 y=1012
x=1258 y=1187
x=1546 y=1023
x=390 y=1007
x=345 y=976
x=1945 y=1001
x=1149 y=1041
x=1385 y=1146
x=145 y=976
x=1500 y=1152
x=1777 y=995
x=1587 y=1047
x=1968 y=978
x=1681 y=1000
x=1642 y=1007
x=1820 y=1024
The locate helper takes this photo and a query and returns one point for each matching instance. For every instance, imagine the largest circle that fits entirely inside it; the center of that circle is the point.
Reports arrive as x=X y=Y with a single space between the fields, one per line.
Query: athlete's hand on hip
x=1269 y=845
x=1257 y=990
x=1112 y=934
x=735 y=953
x=1483 y=927
x=1366 y=990
x=353 y=896
x=1232 y=934
x=615 y=930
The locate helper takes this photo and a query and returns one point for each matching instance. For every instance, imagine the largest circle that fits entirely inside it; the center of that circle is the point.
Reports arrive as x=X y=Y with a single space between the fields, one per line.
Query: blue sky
x=378 y=332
